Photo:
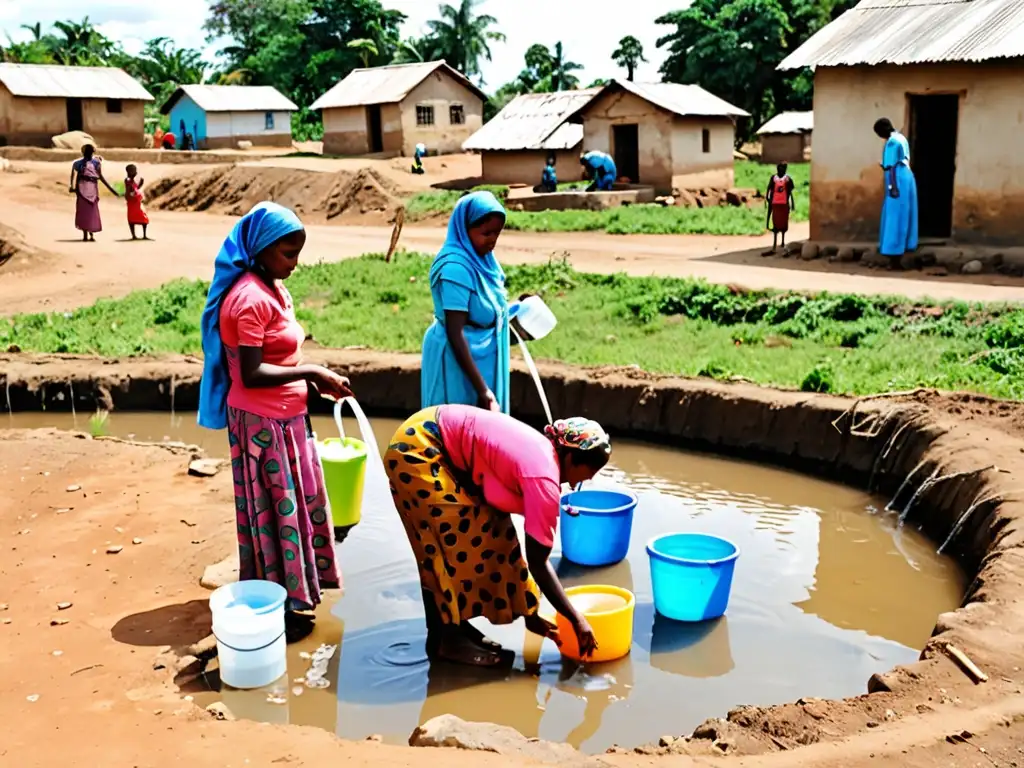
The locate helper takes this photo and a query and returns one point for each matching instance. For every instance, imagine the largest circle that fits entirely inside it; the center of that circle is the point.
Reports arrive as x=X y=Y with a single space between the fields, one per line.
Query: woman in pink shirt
x=458 y=473
x=256 y=385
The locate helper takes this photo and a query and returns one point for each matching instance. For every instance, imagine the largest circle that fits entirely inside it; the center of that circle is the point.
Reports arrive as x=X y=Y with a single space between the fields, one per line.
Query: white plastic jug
x=248 y=622
x=535 y=317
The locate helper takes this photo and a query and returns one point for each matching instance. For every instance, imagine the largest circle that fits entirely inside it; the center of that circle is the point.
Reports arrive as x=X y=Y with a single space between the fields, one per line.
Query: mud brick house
x=950 y=75
x=220 y=116
x=786 y=138
x=665 y=135
x=389 y=110
x=39 y=101
x=514 y=145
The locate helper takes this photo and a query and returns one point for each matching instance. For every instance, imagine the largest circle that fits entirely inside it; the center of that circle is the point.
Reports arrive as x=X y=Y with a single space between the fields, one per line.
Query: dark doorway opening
x=933 y=129
x=74 y=110
x=626 y=151
x=374 y=129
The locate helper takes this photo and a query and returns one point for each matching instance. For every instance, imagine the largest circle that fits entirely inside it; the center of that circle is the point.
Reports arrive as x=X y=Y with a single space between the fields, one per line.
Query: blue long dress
x=462 y=281
x=898 y=229
x=602 y=169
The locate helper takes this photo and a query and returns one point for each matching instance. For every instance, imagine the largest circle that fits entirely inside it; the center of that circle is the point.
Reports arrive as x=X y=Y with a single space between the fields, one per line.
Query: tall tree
x=82 y=45
x=463 y=37
x=547 y=70
x=629 y=55
x=366 y=47
x=415 y=50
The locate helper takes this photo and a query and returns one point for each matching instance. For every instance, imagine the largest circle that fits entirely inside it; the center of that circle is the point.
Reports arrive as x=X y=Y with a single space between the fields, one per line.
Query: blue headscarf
x=261 y=227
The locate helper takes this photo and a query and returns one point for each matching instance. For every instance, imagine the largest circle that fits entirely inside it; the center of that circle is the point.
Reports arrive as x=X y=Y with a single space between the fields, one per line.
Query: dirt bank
x=940 y=456
x=18 y=256
x=364 y=196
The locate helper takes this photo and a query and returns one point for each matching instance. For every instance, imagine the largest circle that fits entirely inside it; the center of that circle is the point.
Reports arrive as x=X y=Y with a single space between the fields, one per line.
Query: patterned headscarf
x=577 y=432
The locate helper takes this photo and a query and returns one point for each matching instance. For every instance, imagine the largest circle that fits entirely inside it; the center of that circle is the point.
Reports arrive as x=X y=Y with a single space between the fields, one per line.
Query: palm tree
x=83 y=45
x=366 y=48
x=36 y=30
x=464 y=38
x=629 y=55
x=417 y=50
x=562 y=78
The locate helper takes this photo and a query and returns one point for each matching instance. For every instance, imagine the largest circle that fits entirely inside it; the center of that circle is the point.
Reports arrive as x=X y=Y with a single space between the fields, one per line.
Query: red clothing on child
x=133 y=197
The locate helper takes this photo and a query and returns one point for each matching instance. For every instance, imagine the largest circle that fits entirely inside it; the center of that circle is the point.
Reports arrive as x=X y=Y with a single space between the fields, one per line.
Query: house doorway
x=374 y=130
x=626 y=151
x=74 y=113
x=933 y=137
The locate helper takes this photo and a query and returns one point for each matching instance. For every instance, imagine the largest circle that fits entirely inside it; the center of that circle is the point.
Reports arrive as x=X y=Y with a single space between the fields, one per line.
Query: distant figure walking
x=86 y=175
x=133 y=197
x=780 y=201
x=898 y=229
x=600 y=167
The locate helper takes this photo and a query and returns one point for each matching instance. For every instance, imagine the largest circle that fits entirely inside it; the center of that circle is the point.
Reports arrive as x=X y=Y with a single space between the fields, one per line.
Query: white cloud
x=589 y=36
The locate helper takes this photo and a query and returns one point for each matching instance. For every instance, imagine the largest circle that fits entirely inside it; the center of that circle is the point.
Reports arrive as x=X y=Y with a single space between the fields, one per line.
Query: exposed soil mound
x=234 y=190
x=15 y=254
x=72 y=140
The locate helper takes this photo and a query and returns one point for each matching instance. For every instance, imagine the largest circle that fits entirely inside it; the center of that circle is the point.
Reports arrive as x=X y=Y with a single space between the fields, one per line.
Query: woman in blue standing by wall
x=898 y=229
x=466 y=349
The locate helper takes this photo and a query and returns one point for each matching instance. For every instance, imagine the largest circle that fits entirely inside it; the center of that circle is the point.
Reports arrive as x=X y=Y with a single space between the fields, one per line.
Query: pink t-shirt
x=515 y=465
x=255 y=315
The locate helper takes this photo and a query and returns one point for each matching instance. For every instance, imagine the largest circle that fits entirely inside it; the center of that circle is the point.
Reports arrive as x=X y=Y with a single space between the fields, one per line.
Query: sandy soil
x=37 y=206
x=110 y=690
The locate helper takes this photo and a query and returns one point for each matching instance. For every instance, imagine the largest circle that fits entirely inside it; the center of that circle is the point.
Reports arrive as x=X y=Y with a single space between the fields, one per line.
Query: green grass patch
x=823 y=343
x=638 y=219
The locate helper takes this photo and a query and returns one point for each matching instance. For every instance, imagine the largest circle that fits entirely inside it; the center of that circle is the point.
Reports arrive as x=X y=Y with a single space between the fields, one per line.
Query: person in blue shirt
x=549 y=178
x=417 y=163
x=600 y=167
x=466 y=348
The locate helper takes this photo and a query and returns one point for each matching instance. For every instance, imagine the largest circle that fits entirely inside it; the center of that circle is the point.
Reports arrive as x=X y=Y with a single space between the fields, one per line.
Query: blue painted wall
x=194 y=117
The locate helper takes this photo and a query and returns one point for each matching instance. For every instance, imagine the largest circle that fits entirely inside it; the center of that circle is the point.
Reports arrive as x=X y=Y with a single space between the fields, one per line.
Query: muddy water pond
x=828 y=590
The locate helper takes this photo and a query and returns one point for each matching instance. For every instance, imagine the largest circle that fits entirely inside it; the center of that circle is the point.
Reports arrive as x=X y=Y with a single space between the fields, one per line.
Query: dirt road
x=36 y=204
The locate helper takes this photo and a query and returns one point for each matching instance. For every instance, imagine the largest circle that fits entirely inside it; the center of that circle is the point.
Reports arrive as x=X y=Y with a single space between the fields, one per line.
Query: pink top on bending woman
x=255 y=315
x=514 y=465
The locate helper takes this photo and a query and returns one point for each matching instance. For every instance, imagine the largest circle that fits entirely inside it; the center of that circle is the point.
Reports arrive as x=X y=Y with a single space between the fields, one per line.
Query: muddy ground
x=129 y=606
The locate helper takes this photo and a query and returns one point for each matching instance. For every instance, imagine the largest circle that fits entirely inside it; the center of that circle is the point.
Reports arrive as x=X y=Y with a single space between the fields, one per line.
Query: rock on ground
x=451 y=731
x=72 y=140
x=219 y=574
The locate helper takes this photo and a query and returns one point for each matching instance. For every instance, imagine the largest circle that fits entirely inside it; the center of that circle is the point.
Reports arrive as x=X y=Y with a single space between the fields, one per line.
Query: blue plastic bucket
x=691 y=575
x=598 y=534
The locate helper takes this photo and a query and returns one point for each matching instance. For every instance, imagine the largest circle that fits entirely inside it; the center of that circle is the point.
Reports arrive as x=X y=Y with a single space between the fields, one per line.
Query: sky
x=523 y=22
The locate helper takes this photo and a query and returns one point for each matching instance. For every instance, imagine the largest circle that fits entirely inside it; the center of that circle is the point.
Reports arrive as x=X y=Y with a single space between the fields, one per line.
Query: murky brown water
x=827 y=591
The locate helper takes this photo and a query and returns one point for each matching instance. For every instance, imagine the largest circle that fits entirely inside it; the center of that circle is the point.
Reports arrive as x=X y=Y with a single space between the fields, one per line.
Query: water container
x=534 y=316
x=344 y=463
x=248 y=622
x=691 y=575
x=609 y=611
x=597 y=532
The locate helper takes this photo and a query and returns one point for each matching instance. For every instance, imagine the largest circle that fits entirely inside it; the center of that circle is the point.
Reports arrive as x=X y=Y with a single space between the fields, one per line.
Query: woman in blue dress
x=466 y=349
x=898 y=229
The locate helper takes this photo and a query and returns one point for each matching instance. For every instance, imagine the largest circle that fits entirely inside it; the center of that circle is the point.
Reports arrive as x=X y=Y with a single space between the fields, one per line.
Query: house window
x=114 y=107
x=424 y=115
x=268 y=121
x=705 y=141
x=456 y=115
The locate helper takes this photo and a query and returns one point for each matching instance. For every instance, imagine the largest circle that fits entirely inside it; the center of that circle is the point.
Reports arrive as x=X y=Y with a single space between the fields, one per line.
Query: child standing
x=133 y=196
x=780 y=200
x=549 y=177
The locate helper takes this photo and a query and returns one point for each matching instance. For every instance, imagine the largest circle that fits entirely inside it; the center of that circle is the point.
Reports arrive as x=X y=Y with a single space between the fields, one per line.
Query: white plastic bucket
x=535 y=317
x=248 y=622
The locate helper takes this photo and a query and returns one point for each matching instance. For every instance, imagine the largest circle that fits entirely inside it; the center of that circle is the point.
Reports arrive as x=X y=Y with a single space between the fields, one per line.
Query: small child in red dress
x=133 y=196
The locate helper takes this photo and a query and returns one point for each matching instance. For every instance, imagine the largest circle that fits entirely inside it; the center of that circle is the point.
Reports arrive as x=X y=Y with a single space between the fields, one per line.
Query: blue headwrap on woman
x=443 y=381
x=260 y=228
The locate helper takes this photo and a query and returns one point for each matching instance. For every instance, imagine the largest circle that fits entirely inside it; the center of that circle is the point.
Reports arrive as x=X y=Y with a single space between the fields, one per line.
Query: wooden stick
x=968 y=666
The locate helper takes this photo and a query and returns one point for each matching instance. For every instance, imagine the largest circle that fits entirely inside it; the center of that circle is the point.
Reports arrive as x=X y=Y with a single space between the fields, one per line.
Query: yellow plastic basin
x=610 y=613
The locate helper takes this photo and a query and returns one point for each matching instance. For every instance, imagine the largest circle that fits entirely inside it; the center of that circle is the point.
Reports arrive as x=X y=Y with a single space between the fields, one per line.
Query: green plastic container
x=344 y=480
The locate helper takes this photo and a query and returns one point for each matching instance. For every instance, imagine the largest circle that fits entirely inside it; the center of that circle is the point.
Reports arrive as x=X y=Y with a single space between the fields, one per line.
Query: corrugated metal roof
x=916 y=32
x=682 y=100
x=533 y=121
x=51 y=81
x=233 y=98
x=386 y=85
x=789 y=122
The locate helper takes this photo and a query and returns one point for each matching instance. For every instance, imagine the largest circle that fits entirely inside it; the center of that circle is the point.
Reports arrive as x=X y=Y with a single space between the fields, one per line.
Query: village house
x=40 y=101
x=786 y=138
x=950 y=80
x=389 y=110
x=220 y=116
x=514 y=145
x=665 y=135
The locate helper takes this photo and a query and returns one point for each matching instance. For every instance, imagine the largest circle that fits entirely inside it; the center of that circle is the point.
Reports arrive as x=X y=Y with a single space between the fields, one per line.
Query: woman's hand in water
x=585 y=639
x=538 y=625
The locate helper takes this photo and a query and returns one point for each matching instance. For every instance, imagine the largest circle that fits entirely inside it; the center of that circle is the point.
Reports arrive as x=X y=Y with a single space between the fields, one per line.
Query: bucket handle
x=363 y=425
x=248 y=650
